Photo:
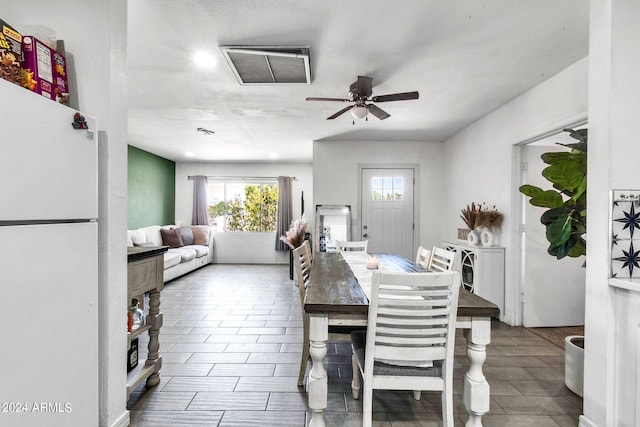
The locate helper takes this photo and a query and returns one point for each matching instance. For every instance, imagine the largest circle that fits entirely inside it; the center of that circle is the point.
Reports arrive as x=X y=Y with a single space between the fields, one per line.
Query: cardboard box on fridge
x=45 y=70
x=10 y=53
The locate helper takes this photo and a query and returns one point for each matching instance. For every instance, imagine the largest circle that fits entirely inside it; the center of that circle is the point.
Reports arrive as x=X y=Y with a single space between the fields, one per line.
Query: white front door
x=387 y=210
x=553 y=290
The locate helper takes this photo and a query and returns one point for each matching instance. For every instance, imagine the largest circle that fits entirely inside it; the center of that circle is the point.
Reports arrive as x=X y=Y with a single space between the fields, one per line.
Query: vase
x=473 y=238
x=487 y=237
x=574 y=363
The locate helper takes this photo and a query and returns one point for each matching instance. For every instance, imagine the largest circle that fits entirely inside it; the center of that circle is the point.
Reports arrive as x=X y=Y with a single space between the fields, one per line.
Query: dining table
x=338 y=294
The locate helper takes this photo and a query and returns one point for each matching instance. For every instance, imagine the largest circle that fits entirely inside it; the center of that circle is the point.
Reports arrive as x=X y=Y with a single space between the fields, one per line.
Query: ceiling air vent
x=269 y=64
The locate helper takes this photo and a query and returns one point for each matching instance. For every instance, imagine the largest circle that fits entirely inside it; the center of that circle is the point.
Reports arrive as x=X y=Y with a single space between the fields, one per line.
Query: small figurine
x=79 y=122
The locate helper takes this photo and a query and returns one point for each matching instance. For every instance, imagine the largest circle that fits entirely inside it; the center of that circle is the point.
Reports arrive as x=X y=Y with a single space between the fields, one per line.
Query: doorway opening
x=550 y=292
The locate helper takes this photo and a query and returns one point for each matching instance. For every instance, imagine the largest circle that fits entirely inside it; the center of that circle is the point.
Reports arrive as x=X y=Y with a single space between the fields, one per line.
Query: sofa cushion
x=187 y=235
x=171 y=259
x=129 y=239
x=153 y=234
x=138 y=236
x=186 y=254
x=171 y=238
x=200 y=234
x=201 y=250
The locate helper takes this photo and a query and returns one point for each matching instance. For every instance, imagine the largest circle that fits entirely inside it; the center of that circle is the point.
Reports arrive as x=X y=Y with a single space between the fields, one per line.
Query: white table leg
x=476 y=389
x=317 y=382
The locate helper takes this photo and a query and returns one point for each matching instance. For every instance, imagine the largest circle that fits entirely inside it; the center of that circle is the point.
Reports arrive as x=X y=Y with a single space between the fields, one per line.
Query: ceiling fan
x=359 y=93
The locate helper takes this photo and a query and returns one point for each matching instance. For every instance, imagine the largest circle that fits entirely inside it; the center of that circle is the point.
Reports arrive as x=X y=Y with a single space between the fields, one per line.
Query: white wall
x=479 y=159
x=336 y=179
x=95 y=34
x=612 y=328
x=253 y=248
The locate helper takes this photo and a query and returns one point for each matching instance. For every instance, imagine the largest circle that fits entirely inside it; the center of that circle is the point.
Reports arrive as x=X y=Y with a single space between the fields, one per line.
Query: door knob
x=365 y=235
x=364 y=227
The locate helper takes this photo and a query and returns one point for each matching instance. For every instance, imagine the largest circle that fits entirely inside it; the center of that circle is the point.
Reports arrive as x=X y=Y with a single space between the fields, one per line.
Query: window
x=243 y=206
x=387 y=188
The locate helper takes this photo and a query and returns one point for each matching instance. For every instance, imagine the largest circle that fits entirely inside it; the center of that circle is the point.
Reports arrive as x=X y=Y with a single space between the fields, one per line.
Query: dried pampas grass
x=294 y=237
x=489 y=218
x=470 y=214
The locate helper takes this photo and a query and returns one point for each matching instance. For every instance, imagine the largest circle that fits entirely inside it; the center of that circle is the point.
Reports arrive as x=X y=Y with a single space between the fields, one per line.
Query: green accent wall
x=152 y=189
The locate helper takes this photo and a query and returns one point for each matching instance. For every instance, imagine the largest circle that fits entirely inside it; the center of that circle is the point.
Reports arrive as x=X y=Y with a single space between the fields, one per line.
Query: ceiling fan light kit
x=359 y=112
x=359 y=93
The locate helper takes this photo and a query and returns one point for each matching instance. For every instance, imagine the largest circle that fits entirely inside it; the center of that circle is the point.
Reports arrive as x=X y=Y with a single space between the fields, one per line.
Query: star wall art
x=625 y=239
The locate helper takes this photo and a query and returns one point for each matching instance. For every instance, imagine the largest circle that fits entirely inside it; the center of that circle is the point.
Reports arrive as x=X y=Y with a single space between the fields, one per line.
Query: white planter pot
x=574 y=364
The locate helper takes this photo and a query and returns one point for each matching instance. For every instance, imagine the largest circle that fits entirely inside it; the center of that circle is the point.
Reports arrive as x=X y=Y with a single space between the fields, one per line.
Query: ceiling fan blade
x=396 y=97
x=341 y=112
x=328 y=99
x=377 y=111
x=363 y=86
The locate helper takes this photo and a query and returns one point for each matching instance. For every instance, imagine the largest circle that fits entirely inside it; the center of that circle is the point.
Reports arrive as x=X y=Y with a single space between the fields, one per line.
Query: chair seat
x=359 y=343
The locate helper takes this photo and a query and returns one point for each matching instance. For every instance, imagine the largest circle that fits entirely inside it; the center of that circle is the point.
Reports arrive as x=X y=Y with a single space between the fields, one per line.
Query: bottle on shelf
x=137 y=314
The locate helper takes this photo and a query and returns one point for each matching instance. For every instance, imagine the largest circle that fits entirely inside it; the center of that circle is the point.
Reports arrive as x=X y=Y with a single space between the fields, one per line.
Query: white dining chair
x=423 y=257
x=302 y=261
x=346 y=246
x=442 y=260
x=409 y=341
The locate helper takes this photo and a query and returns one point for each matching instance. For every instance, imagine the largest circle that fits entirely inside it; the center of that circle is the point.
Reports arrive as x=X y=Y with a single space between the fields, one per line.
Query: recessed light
x=272 y=155
x=189 y=154
x=204 y=59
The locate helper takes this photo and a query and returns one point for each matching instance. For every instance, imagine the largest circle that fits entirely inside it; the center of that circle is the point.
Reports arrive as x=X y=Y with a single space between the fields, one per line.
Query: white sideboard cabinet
x=481 y=270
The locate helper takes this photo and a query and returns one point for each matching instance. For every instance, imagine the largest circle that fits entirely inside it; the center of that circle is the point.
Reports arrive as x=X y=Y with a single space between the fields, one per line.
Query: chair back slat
x=423 y=257
x=415 y=355
x=302 y=263
x=442 y=260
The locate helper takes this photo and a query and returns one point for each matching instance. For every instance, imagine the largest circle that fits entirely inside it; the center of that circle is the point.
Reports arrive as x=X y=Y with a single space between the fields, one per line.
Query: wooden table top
x=333 y=288
x=140 y=252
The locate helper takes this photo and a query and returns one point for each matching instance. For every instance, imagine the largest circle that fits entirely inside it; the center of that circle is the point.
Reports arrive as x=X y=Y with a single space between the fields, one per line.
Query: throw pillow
x=187 y=235
x=200 y=234
x=171 y=238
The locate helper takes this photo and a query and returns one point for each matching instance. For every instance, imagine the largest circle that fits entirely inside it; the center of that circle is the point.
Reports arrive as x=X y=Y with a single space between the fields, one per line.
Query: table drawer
x=144 y=275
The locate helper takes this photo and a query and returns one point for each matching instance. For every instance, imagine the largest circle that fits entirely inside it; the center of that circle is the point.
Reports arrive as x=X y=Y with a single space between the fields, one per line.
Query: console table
x=145 y=275
x=482 y=270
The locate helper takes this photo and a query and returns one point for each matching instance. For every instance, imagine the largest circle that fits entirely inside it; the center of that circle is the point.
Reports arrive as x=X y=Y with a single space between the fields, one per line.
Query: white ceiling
x=466 y=58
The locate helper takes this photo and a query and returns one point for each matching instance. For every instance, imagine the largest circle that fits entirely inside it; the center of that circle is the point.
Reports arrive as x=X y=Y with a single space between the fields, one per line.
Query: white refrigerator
x=48 y=263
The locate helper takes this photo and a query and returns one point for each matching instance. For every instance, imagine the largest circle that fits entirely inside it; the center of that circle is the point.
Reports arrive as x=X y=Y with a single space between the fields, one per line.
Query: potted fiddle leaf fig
x=566 y=224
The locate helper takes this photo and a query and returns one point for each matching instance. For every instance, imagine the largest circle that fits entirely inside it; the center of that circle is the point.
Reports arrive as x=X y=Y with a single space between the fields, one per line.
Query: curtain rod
x=190 y=177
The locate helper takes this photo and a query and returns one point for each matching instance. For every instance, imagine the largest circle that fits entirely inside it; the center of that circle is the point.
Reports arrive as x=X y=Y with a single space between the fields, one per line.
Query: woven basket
x=463 y=233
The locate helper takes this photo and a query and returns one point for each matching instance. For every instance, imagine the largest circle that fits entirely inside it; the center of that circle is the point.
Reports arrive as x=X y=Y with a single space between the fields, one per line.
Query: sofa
x=190 y=247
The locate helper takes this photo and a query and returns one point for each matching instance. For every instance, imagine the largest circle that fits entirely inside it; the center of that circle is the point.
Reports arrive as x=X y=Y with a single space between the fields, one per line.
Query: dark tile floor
x=231 y=344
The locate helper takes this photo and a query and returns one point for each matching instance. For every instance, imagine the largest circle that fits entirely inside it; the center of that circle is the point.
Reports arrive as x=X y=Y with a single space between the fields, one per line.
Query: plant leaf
x=542 y=198
x=561 y=251
x=566 y=175
x=579 y=249
x=559 y=230
x=579 y=134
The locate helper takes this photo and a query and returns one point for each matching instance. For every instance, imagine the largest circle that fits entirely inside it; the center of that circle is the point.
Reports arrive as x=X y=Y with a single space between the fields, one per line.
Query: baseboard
x=123 y=421
x=585 y=422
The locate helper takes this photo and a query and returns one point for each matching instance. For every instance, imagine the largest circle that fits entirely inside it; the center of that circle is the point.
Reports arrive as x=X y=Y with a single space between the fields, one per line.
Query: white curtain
x=200 y=206
x=284 y=211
